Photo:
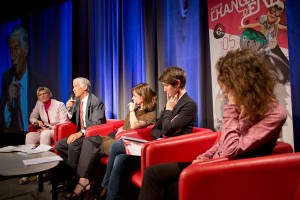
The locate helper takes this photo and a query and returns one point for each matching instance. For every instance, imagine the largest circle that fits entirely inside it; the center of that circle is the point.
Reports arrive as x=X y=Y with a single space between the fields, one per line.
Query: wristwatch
x=83 y=132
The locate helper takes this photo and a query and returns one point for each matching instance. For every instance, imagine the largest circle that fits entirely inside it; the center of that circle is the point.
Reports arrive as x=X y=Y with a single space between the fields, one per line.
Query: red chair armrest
x=267 y=177
x=63 y=130
x=104 y=129
x=282 y=147
x=184 y=148
x=141 y=133
x=31 y=128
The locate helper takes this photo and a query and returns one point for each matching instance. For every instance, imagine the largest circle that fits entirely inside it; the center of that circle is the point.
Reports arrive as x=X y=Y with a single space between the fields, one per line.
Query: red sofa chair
x=273 y=177
x=171 y=150
x=60 y=131
x=64 y=130
x=157 y=156
x=185 y=149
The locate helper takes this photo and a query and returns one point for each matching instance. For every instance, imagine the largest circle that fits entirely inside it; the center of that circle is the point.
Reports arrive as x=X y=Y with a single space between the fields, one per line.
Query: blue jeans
x=118 y=169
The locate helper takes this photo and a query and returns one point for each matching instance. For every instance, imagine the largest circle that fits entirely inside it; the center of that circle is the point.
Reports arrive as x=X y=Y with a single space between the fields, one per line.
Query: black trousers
x=160 y=182
x=81 y=154
x=91 y=152
x=69 y=152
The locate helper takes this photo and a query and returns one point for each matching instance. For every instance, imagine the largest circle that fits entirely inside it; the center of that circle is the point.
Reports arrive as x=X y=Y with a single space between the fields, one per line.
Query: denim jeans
x=118 y=169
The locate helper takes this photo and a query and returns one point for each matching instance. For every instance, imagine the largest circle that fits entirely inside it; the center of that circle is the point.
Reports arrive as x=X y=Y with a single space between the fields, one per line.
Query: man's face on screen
x=18 y=54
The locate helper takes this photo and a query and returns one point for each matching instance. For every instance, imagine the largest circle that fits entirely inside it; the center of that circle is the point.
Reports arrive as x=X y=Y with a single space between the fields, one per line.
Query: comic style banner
x=261 y=26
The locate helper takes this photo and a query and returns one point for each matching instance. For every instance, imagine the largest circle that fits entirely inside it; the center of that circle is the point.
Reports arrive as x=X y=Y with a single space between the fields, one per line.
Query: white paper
x=39 y=149
x=35 y=161
x=134 y=149
x=21 y=148
x=25 y=148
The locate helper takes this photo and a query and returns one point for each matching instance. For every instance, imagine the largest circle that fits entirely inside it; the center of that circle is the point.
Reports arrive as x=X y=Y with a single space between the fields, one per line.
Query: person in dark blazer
x=92 y=112
x=19 y=85
x=177 y=118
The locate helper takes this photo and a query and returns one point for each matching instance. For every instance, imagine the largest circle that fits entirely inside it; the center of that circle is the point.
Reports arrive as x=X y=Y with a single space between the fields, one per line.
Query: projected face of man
x=18 y=55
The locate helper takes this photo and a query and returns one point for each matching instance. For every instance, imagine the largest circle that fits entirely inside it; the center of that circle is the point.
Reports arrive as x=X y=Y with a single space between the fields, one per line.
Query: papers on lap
x=133 y=146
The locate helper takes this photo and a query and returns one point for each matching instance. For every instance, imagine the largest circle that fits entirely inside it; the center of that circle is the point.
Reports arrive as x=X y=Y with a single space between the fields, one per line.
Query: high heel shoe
x=75 y=196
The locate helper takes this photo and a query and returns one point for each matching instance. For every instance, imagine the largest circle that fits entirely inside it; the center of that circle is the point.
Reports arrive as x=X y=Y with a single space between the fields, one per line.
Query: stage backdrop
x=261 y=26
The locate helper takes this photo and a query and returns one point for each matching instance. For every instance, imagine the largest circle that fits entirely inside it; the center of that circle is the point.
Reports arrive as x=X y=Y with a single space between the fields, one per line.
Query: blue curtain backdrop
x=293 y=24
x=118 y=43
x=121 y=40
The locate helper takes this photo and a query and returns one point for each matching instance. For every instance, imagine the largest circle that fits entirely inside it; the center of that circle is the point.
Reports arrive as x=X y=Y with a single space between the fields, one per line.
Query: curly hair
x=247 y=75
x=148 y=95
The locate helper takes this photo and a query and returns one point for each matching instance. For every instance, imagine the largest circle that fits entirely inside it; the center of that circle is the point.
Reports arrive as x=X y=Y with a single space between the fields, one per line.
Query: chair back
x=273 y=177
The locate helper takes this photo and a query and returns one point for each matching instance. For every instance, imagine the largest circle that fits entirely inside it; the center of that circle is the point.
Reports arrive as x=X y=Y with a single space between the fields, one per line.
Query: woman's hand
x=131 y=106
x=121 y=129
x=171 y=102
x=38 y=123
x=197 y=160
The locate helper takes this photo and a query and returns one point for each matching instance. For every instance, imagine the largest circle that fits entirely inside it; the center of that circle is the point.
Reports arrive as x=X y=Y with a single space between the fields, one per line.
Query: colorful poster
x=261 y=26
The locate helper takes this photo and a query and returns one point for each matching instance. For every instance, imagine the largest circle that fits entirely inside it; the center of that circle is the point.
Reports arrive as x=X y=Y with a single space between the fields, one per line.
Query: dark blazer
x=177 y=122
x=35 y=80
x=95 y=112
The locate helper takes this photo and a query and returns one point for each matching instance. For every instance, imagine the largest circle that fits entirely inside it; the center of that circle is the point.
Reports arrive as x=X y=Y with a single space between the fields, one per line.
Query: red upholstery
x=185 y=149
x=174 y=149
x=31 y=128
x=63 y=130
x=66 y=129
x=273 y=177
x=142 y=133
x=104 y=129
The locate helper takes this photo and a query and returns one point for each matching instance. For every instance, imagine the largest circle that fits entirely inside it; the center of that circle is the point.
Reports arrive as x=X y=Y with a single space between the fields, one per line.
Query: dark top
x=177 y=122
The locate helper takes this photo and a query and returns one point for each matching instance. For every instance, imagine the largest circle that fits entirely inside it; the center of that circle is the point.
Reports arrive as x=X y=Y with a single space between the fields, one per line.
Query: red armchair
x=104 y=129
x=170 y=149
x=60 y=131
x=185 y=149
x=66 y=129
x=273 y=177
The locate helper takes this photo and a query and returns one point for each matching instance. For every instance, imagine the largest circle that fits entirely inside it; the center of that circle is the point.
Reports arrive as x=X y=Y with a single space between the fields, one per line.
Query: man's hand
x=13 y=90
x=74 y=137
x=171 y=102
x=70 y=103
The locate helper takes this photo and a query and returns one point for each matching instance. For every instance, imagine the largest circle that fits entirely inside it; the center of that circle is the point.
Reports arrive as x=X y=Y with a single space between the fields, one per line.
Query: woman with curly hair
x=251 y=123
